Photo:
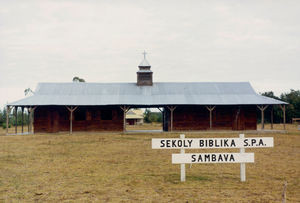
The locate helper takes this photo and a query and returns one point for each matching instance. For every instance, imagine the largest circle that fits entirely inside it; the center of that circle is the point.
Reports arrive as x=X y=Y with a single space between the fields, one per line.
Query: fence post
x=182 y=166
x=243 y=165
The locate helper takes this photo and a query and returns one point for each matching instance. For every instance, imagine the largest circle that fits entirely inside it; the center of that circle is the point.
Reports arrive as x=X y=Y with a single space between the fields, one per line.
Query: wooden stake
x=284 y=192
x=210 y=109
x=262 y=108
x=171 y=108
x=71 y=109
x=125 y=110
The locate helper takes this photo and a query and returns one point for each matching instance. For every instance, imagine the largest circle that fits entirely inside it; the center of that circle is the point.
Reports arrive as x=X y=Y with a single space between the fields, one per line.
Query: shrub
x=4 y=125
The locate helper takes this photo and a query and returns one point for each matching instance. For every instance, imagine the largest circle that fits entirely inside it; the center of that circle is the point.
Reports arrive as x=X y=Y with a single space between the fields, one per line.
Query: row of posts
x=125 y=109
x=30 y=111
x=262 y=108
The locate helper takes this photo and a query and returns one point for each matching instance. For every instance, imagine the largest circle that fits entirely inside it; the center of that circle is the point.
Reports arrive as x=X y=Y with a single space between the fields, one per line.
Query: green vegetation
x=12 y=119
x=78 y=79
x=292 y=110
x=27 y=91
x=150 y=117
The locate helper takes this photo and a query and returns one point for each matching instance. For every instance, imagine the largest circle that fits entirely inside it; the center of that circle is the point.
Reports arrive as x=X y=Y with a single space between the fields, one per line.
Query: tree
x=293 y=109
x=150 y=117
x=78 y=79
x=147 y=116
x=27 y=91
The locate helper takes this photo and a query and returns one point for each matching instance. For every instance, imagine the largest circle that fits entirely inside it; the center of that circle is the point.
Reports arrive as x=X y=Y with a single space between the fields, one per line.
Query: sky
x=187 y=41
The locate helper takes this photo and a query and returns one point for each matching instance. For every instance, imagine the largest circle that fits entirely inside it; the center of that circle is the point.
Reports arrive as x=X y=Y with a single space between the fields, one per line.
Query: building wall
x=223 y=118
x=51 y=119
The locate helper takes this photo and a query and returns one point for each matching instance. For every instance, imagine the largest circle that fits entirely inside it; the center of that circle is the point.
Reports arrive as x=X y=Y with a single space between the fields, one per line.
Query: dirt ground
x=115 y=167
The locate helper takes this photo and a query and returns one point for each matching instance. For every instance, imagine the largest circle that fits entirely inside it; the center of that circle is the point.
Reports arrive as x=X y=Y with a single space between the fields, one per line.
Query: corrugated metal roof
x=199 y=93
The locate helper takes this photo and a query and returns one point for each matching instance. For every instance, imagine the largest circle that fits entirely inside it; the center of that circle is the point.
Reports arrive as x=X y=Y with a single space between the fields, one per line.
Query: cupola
x=144 y=75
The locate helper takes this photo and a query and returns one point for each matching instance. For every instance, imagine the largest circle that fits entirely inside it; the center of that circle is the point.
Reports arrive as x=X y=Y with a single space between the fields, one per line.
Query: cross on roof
x=144 y=53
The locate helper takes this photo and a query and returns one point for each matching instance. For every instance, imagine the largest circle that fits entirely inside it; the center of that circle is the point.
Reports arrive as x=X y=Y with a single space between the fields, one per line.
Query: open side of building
x=103 y=106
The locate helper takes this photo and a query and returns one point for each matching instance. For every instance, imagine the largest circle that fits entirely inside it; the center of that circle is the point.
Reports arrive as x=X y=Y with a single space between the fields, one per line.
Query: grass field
x=102 y=167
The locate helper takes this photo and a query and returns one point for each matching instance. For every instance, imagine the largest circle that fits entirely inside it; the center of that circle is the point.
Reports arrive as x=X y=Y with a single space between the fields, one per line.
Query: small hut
x=135 y=117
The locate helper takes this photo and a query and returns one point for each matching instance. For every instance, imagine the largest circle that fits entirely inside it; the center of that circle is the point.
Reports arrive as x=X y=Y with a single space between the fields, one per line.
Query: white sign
x=212 y=158
x=206 y=143
x=211 y=143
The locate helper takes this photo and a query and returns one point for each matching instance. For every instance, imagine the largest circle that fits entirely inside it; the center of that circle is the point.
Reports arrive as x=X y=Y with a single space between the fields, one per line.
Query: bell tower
x=144 y=75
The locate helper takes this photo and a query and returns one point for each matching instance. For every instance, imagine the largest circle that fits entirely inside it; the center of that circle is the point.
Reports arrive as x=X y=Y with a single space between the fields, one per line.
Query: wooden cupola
x=144 y=75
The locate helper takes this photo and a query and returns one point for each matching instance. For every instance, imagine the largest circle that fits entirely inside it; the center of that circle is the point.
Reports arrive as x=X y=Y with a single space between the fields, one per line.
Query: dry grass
x=145 y=126
x=115 y=167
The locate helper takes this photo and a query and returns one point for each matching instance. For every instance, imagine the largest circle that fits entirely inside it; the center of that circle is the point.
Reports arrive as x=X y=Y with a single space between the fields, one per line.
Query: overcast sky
x=102 y=41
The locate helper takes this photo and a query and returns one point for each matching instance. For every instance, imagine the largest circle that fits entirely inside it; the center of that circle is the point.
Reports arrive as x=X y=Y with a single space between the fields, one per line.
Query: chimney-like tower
x=144 y=75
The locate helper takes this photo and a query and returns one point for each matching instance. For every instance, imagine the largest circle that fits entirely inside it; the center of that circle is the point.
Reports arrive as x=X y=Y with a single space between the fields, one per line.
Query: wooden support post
x=262 y=108
x=272 y=117
x=71 y=109
x=162 y=117
x=16 y=121
x=210 y=109
x=22 y=119
x=171 y=108
x=125 y=110
x=283 y=111
x=31 y=111
x=8 y=108
x=28 y=120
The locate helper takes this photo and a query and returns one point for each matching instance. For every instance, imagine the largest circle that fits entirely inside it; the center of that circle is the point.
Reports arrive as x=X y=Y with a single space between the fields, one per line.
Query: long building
x=186 y=106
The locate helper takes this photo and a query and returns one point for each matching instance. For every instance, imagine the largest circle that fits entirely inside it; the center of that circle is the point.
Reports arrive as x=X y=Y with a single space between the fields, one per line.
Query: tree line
x=12 y=118
x=292 y=109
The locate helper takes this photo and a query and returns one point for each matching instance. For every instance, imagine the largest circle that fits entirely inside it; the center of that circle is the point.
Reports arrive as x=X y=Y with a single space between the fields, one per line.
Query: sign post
x=243 y=165
x=212 y=143
x=182 y=166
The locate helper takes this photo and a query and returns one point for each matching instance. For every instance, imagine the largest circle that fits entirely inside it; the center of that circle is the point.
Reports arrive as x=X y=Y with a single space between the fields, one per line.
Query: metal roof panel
x=198 y=93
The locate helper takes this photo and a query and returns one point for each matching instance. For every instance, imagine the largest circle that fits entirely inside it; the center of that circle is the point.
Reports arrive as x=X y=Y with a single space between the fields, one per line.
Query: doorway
x=145 y=120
